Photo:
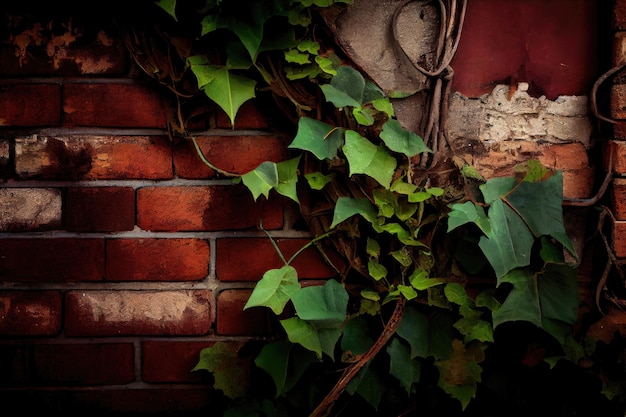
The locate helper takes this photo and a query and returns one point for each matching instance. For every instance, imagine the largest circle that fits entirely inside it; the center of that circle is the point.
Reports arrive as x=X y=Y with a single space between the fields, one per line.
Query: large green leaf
x=522 y=303
x=356 y=338
x=231 y=373
x=262 y=179
x=400 y=140
x=322 y=306
x=368 y=385
x=349 y=88
x=509 y=243
x=229 y=90
x=558 y=292
x=366 y=158
x=319 y=138
x=284 y=363
x=347 y=207
x=402 y=366
x=288 y=178
x=303 y=333
x=468 y=212
x=414 y=328
x=275 y=289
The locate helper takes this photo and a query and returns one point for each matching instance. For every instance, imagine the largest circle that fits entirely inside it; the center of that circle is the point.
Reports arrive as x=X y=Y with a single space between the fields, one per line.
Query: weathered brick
x=100 y=209
x=616 y=150
x=30 y=105
x=53 y=260
x=194 y=208
x=249 y=116
x=30 y=313
x=261 y=256
x=233 y=320
x=82 y=364
x=618 y=238
x=619 y=15
x=171 y=361
x=618 y=101
x=30 y=209
x=157 y=259
x=156 y=401
x=119 y=312
x=234 y=154
x=113 y=105
x=619 y=48
x=618 y=198
x=93 y=157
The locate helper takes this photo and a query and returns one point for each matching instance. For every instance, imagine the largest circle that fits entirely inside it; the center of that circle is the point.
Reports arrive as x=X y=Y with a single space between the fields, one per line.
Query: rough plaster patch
x=506 y=115
x=125 y=306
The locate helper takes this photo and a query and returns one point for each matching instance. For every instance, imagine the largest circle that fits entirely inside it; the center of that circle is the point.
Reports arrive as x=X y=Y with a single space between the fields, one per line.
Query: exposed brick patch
x=17 y=109
x=118 y=313
x=618 y=101
x=619 y=15
x=234 y=154
x=196 y=208
x=618 y=198
x=30 y=313
x=171 y=361
x=260 y=256
x=248 y=117
x=113 y=105
x=619 y=238
x=233 y=320
x=616 y=149
x=157 y=259
x=100 y=209
x=52 y=260
x=93 y=157
x=30 y=209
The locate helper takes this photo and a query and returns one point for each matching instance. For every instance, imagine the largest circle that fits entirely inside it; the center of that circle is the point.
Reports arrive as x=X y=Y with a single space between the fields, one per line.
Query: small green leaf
x=262 y=179
x=309 y=46
x=372 y=248
x=296 y=57
x=319 y=138
x=169 y=6
x=384 y=105
x=420 y=280
x=408 y=292
x=400 y=140
x=288 y=178
x=366 y=158
x=455 y=293
x=347 y=207
x=317 y=180
x=403 y=257
x=303 y=333
x=231 y=373
x=468 y=212
x=275 y=289
x=376 y=270
x=229 y=91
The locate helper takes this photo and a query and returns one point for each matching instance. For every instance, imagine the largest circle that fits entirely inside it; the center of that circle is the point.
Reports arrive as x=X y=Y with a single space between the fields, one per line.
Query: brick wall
x=121 y=254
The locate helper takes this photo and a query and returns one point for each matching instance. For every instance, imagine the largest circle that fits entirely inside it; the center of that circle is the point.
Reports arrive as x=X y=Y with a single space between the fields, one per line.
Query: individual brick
x=261 y=256
x=233 y=320
x=618 y=101
x=233 y=154
x=618 y=198
x=249 y=116
x=157 y=259
x=30 y=105
x=121 y=312
x=113 y=105
x=93 y=157
x=171 y=361
x=211 y=208
x=100 y=209
x=30 y=313
x=30 y=209
x=51 y=260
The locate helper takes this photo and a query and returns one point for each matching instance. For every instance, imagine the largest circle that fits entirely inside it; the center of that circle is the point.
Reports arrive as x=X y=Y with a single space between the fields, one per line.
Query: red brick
x=119 y=313
x=619 y=48
x=129 y=401
x=617 y=151
x=618 y=101
x=157 y=259
x=30 y=105
x=171 y=361
x=93 y=157
x=195 y=208
x=83 y=364
x=619 y=15
x=113 y=105
x=619 y=238
x=52 y=260
x=260 y=256
x=618 y=198
x=530 y=41
x=30 y=313
x=233 y=320
x=100 y=209
x=249 y=116
x=234 y=154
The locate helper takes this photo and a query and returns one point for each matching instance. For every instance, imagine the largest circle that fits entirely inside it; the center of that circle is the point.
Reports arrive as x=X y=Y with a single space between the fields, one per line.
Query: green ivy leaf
x=420 y=280
x=408 y=292
x=348 y=88
x=402 y=366
x=366 y=158
x=356 y=338
x=229 y=91
x=319 y=138
x=231 y=373
x=414 y=328
x=400 y=140
x=284 y=364
x=455 y=293
x=288 y=178
x=262 y=179
x=468 y=212
x=376 y=270
x=369 y=386
x=347 y=207
x=323 y=306
x=275 y=289
x=169 y=6
x=294 y=56
x=317 y=180
x=522 y=303
x=303 y=333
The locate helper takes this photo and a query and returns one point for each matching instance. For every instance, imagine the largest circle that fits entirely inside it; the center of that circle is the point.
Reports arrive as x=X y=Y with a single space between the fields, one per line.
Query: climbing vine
x=432 y=264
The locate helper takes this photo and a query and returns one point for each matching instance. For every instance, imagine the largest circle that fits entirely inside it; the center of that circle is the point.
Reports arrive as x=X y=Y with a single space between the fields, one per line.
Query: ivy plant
x=405 y=323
